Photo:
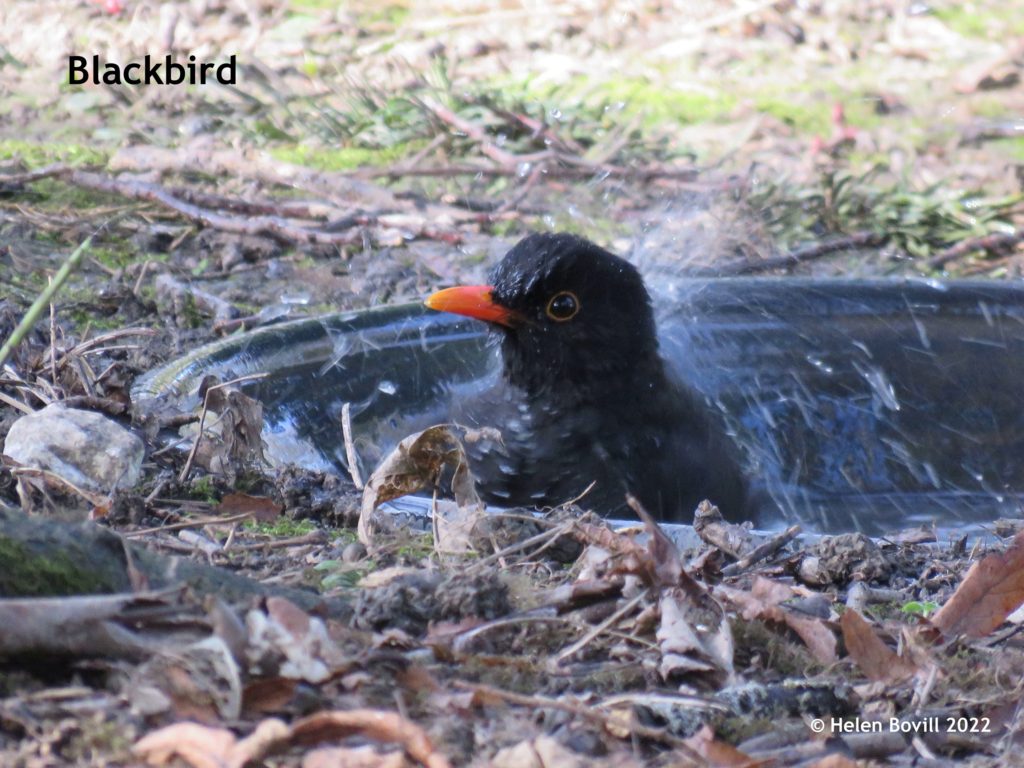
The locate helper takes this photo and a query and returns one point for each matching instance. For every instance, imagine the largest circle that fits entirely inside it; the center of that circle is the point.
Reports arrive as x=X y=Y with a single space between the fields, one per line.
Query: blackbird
x=583 y=395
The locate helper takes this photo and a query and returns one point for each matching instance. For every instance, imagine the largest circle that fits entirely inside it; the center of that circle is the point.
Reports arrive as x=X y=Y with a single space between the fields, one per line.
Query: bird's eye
x=563 y=306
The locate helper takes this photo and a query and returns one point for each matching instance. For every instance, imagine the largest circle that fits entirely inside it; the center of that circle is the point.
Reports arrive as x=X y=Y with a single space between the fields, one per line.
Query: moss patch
x=30 y=574
x=37 y=155
x=344 y=158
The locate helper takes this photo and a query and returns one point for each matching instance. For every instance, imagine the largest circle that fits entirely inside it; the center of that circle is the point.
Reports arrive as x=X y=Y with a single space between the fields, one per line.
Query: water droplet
x=821 y=365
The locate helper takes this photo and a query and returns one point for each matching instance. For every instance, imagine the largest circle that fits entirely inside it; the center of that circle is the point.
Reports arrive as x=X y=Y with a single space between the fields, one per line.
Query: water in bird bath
x=859 y=405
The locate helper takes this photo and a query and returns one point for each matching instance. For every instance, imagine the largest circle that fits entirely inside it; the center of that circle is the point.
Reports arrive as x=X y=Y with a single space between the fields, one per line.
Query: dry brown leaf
x=198 y=745
x=763 y=602
x=694 y=636
x=834 y=761
x=200 y=681
x=271 y=694
x=234 y=442
x=261 y=508
x=285 y=639
x=387 y=727
x=663 y=565
x=720 y=754
x=875 y=659
x=992 y=589
x=353 y=757
x=417 y=463
x=541 y=752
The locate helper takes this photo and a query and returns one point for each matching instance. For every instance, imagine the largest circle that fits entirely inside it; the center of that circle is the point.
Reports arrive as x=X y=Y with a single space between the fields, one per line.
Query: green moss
x=114 y=257
x=970 y=20
x=282 y=528
x=994 y=108
x=81 y=317
x=30 y=574
x=56 y=195
x=36 y=155
x=804 y=118
x=1013 y=147
x=659 y=104
x=202 y=488
x=344 y=158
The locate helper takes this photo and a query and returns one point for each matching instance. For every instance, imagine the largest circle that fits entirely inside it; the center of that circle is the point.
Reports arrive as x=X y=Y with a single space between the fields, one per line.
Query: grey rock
x=83 y=447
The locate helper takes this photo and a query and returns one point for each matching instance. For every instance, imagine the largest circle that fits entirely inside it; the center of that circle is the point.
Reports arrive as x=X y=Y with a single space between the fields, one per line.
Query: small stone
x=353 y=553
x=83 y=447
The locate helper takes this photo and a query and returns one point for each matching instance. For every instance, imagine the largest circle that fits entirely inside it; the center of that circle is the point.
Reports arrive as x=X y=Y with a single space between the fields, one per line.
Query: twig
x=554 y=169
x=477 y=134
x=47 y=172
x=606 y=624
x=762 y=551
x=544 y=537
x=119 y=333
x=800 y=255
x=274 y=226
x=105 y=404
x=53 y=341
x=52 y=478
x=190 y=524
x=15 y=403
x=1000 y=241
x=313 y=537
x=350 y=448
x=43 y=300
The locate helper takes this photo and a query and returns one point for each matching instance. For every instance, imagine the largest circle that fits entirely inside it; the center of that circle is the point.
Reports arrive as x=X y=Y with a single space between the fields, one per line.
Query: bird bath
x=858 y=405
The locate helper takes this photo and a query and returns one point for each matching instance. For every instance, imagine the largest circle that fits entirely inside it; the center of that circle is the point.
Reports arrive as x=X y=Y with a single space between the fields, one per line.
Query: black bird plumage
x=584 y=395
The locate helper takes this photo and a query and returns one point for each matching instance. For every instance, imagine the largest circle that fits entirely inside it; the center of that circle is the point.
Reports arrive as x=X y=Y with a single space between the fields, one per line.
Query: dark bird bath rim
x=868 y=405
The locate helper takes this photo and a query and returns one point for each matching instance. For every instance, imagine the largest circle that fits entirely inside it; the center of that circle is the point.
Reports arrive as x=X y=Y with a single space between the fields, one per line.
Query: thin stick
x=350 y=446
x=800 y=255
x=607 y=623
x=15 y=403
x=999 y=241
x=191 y=524
x=53 y=341
x=543 y=537
x=762 y=551
x=43 y=300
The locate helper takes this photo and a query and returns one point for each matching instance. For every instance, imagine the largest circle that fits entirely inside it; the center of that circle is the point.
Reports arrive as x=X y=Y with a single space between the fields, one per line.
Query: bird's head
x=571 y=315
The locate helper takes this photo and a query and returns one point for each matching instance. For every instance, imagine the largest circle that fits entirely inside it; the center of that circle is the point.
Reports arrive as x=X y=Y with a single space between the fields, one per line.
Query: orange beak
x=472 y=301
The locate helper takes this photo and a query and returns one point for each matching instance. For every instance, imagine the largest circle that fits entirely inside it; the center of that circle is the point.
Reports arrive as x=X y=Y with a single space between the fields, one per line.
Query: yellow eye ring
x=563 y=306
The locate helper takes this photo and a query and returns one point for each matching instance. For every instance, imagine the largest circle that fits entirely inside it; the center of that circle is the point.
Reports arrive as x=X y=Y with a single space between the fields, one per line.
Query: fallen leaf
x=834 y=761
x=353 y=757
x=874 y=657
x=541 y=752
x=387 y=727
x=992 y=589
x=198 y=745
x=694 y=636
x=200 y=681
x=763 y=602
x=285 y=640
x=261 y=508
x=271 y=694
x=417 y=463
x=720 y=754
